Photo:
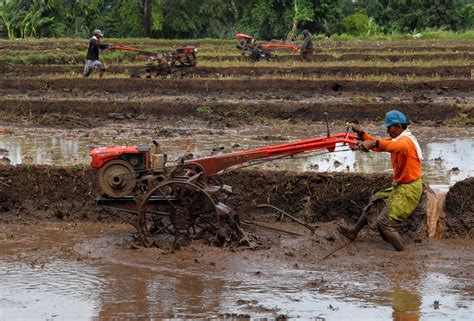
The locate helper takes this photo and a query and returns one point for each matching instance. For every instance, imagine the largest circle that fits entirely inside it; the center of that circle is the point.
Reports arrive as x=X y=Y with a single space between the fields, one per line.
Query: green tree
x=441 y=13
x=82 y=17
x=303 y=12
x=466 y=17
x=39 y=18
x=271 y=17
x=12 y=14
x=221 y=18
x=157 y=17
x=182 y=19
x=359 y=24
x=327 y=17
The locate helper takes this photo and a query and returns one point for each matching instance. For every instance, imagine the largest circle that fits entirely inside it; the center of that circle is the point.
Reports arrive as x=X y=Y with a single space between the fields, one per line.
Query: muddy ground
x=71 y=253
x=460 y=202
x=31 y=194
x=303 y=88
x=86 y=113
x=85 y=270
x=245 y=71
x=59 y=249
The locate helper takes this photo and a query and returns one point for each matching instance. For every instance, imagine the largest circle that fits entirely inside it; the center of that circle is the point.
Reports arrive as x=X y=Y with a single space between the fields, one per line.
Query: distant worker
x=307 y=50
x=403 y=196
x=92 y=58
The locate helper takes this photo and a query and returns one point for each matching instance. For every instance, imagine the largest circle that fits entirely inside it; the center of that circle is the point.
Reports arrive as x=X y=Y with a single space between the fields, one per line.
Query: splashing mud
x=435 y=214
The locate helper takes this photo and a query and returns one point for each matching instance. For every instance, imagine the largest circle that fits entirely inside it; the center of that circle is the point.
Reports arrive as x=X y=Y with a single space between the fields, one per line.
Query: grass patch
x=205 y=110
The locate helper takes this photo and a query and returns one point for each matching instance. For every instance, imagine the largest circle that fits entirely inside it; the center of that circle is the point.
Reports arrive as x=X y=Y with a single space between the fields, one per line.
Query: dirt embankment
x=245 y=71
x=32 y=193
x=459 y=206
x=72 y=113
x=324 y=57
x=203 y=86
x=417 y=47
x=443 y=71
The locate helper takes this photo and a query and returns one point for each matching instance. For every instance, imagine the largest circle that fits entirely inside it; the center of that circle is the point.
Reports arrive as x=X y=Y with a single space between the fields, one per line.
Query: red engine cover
x=102 y=155
x=243 y=36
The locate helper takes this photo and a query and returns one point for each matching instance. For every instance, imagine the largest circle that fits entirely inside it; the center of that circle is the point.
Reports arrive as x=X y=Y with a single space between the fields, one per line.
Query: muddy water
x=448 y=154
x=87 y=271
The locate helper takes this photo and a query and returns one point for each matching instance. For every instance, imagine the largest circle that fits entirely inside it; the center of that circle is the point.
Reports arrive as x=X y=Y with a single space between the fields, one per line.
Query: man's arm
x=99 y=45
x=94 y=42
x=400 y=145
x=386 y=145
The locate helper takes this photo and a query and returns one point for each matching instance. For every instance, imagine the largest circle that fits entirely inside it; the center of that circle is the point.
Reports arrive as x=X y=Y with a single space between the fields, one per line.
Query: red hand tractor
x=186 y=197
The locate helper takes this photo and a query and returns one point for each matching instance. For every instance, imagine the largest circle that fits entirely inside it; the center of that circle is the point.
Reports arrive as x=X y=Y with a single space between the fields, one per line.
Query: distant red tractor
x=248 y=45
x=163 y=64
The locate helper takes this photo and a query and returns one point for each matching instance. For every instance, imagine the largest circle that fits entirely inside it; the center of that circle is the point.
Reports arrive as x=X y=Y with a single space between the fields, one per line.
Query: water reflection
x=405 y=305
x=59 y=289
x=448 y=158
x=121 y=290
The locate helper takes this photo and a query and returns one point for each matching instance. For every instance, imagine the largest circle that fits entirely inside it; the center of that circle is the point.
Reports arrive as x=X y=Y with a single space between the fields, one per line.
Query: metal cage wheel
x=176 y=208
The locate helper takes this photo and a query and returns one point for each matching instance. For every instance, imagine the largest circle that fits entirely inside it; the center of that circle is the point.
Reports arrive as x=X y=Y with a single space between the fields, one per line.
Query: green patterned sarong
x=401 y=199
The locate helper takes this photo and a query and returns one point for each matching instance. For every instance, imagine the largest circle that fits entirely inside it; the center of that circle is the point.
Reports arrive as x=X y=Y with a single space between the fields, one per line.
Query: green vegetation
x=265 y=19
x=205 y=110
x=242 y=112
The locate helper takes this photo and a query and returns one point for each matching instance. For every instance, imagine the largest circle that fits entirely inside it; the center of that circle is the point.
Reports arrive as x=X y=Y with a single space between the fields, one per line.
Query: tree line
x=264 y=19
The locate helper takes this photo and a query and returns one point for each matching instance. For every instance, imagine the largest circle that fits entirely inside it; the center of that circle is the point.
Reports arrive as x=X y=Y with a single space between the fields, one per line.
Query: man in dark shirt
x=307 y=49
x=92 y=58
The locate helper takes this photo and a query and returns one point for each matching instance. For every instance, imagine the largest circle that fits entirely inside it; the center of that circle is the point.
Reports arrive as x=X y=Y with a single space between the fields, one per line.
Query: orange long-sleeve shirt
x=405 y=162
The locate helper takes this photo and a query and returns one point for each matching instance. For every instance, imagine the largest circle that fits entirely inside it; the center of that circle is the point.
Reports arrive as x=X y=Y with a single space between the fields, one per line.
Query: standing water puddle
x=79 y=273
x=448 y=157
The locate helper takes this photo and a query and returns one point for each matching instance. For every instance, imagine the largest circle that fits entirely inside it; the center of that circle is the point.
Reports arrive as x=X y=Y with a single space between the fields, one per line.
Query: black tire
x=242 y=43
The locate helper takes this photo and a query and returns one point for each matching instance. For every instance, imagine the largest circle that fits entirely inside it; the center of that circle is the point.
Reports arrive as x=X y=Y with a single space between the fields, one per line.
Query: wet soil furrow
x=30 y=193
x=64 y=58
x=350 y=57
x=49 y=110
x=210 y=86
x=441 y=71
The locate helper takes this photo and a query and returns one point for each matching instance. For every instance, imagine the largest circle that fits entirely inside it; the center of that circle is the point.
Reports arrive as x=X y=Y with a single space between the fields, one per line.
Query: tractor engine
x=124 y=169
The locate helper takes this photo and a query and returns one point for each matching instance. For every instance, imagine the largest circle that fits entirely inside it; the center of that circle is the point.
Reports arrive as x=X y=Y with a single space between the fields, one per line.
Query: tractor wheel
x=191 y=60
x=242 y=43
x=183 y=209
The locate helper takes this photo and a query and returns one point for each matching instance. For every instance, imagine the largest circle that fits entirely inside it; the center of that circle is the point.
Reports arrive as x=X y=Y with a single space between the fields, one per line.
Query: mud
x=323 y=57
x=459 y=206
x=64 y=257
x=89 y=271
x=72 y=113
x=303 y=88
x=30 y=194
x=243 y=71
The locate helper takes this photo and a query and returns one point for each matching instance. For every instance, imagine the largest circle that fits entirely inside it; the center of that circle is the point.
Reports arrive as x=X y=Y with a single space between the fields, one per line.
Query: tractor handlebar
x=212 y=165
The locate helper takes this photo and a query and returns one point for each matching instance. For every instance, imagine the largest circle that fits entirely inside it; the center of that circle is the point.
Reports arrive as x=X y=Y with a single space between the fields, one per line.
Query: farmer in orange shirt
x=402 y=197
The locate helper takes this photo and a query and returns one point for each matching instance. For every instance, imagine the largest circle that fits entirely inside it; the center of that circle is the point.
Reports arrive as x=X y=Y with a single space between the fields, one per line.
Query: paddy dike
x=32 y=194
x=262 y=71
x=278 y=88
x=71 y=113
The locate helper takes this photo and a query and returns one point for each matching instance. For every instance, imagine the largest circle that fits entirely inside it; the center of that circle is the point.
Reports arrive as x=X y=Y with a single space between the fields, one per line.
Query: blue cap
x=395 y=117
